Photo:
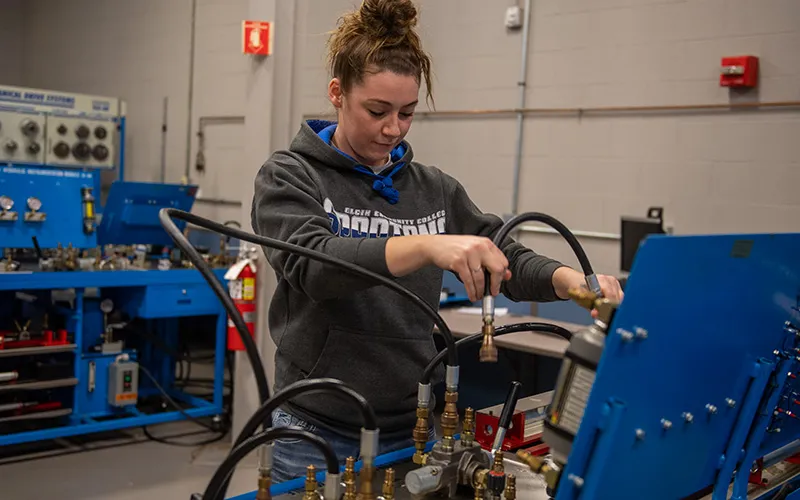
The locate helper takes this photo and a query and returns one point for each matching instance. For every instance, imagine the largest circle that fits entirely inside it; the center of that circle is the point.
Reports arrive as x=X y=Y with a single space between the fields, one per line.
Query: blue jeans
x=291 y=457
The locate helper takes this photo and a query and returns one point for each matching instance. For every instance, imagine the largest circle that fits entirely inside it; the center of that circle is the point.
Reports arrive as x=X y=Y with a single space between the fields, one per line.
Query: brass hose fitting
x=511 y=487
x=468 y=428
x=365 y=491
x=480 y=487
x=539 y=466
x=449 y=420
x=350 y=479
x=264 y=484
x=497 y=466
x=311 y=484
x=388 y=485
x=421 y=436
x=488 y=352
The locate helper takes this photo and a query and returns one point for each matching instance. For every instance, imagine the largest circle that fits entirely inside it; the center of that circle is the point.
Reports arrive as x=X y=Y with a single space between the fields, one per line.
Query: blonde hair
x=380 y=35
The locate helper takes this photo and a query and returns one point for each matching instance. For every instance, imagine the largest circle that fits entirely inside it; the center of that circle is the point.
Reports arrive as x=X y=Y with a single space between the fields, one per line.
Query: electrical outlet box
x=123 y=383
x=514 y=17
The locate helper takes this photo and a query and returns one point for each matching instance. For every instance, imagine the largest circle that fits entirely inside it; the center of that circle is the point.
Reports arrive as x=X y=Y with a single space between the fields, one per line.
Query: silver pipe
x=523 y=81
x=164 y=142
x=188 y=168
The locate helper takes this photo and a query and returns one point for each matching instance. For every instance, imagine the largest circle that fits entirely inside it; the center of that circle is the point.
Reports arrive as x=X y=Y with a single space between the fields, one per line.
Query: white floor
x=146 y=470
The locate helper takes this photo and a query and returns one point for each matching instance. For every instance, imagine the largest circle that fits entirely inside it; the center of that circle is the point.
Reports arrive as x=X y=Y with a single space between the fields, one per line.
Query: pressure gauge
x=6 y=203
x=35 y=204
x=107 y=306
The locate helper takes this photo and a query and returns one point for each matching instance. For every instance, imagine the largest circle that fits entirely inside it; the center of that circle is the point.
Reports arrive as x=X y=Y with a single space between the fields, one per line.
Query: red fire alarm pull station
x=257 y=38
x=740 y=71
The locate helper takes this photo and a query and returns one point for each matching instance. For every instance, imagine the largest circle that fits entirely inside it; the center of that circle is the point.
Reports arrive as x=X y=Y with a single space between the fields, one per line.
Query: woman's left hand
x=566 y=278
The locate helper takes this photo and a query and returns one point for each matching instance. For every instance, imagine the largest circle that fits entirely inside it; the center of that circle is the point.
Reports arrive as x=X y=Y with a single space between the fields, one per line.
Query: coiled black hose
x=310 y=386
x=225 y=470
x=166 y=213
x=501 y=330
x=573 y=242
x=165 y=216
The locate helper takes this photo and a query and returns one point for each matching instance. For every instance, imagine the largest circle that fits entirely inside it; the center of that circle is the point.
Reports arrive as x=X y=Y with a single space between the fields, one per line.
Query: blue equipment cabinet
x=710 y=388
x=50 y=198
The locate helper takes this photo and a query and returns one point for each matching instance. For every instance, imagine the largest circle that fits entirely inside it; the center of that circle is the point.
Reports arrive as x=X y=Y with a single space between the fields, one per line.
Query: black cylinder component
x=100 y=153
x=510 y=405
x=11 y=146
x=81 y=151
x=82 y=132
x=496 y=482
x=62 y=129
x=100 y=132
x=34 y=148
x=61 y=150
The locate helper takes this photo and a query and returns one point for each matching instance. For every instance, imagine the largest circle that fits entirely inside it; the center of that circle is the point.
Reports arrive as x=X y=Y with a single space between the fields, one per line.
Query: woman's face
x=375 y=115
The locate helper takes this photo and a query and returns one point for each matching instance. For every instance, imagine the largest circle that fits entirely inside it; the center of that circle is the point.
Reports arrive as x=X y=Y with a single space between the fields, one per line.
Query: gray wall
x=11 y=40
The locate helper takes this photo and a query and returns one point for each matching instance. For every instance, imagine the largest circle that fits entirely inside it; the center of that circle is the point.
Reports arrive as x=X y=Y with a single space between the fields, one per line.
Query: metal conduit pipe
x=523 y=83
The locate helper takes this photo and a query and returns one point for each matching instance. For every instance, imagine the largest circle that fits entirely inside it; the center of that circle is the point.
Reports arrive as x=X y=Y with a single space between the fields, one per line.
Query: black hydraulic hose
x=501 y=330
x=166 y=213
x=552 y=222
x=264 y=413
x=225 y=470
x=234 y=315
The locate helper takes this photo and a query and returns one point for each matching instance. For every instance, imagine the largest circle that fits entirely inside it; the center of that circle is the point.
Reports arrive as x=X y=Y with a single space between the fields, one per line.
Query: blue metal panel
x=714 y=308
x=130 y=215
x=59 y=190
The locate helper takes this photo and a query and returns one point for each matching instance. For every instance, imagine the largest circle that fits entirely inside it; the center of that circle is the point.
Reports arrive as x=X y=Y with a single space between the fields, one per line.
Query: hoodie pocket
x=383 y=369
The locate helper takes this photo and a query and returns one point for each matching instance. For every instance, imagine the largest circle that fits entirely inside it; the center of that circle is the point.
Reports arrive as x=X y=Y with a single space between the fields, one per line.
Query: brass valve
x=589 y=300
x=388 y=485
x=468 y=427
x=421 y=436
x=480 y=487
x=449 y=420
x=488 y=352
x=311 y=484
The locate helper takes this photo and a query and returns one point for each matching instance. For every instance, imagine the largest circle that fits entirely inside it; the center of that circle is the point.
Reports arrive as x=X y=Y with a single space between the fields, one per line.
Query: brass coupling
x=449 y=420
x=468 y=427
x=540 y=466
x=264 y=485
x=480 y=484
x=365 y=491
x=388 y=485
x=488 y=351
x=311 y=484
x=511 y=487
x=350 y=479
x=421 y=436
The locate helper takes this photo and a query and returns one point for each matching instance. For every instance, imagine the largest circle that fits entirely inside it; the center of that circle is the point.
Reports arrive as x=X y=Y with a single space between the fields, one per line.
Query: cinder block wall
x=11 y=39
x=712 y=171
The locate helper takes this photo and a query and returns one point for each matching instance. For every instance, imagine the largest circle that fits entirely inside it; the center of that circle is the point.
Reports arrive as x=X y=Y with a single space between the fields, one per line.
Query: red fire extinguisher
x=242 y=288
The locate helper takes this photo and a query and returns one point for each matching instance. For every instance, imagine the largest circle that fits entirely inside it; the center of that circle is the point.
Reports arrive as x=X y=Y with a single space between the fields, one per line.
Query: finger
x=507 y=275
x=466 y=277
x=496 y=263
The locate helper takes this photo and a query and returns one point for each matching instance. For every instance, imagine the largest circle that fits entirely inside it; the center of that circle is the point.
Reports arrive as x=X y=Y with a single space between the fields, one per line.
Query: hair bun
x=392 y=19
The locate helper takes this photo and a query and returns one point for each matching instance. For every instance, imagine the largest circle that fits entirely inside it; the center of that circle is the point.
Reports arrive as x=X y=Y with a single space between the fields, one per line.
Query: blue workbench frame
x=80 y=281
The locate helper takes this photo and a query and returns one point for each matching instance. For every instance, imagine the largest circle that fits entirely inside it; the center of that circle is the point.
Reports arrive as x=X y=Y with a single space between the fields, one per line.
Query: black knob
x=11 y=146
x=81 y=151
x=100 y=153
x=82 y=132
x=100 y=132
x=61 y=150
x=62 y=129
x=29 y=127
x=34 y=148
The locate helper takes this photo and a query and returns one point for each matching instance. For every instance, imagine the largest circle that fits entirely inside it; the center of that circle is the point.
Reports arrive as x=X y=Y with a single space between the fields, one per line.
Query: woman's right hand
x=470 y=257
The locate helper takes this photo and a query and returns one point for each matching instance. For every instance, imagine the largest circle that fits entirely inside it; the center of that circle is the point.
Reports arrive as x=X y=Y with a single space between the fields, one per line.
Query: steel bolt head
x=641 y=333
x=666 y=424
x=688 y=417
x=731 y=403
x=711 y=409
x=625 y=334
x=640 y=434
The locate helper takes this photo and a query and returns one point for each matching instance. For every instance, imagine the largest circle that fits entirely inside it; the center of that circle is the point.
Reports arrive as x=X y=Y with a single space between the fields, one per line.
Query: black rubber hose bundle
x=501 y=330
x=225 y=470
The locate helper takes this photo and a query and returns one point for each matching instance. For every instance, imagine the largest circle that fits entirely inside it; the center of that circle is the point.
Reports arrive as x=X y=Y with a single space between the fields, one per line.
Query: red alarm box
x=740 y=71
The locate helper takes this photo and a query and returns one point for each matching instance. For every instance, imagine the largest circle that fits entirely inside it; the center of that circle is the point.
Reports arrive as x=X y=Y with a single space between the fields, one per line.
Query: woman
x=350 y=189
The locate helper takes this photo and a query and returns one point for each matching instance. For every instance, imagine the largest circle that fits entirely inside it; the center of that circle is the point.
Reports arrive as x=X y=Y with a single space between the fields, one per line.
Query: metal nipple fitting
x=421 y=436
x=511 y=487
x=388 y=485
x=311 y=484
x=488 y=352
x=468 y=428
x=365 y=491
x=350 y=479
x=449 y=420
x=264 y=484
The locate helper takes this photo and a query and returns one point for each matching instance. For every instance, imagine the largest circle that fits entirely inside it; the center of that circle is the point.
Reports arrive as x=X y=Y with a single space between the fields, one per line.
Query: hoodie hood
x=314 y=142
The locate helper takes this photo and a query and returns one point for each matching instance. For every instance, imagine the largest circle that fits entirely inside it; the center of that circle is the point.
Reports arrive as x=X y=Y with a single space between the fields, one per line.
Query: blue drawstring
x=383 y=184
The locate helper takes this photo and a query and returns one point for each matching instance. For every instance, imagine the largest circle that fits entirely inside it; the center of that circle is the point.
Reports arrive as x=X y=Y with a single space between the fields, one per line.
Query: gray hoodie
x=329 y=323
